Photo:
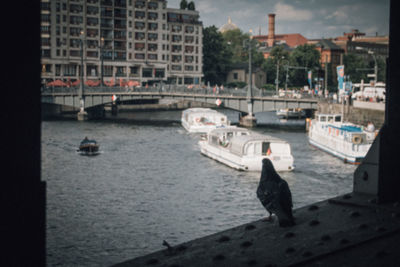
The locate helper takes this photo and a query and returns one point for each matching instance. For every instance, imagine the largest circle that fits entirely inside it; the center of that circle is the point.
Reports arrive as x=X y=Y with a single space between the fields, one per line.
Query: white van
x=371 y=91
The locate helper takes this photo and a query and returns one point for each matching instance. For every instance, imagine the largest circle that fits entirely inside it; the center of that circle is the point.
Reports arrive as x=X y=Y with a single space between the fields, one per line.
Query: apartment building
x=120 y=42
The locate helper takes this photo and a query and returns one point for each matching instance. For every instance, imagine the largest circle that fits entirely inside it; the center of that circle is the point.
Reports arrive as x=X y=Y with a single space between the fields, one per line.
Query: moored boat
x=244 y=150
x=88 y=147
x=346 y=141
x=290 y=113
x=202 y=120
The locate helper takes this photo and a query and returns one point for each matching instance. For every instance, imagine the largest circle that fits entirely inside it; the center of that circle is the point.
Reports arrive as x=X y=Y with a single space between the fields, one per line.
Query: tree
x=238 y=45
x=355 y=67
x=216 y=56
x=191 y=6
x=303 y=56
x=183 y=4
x=278 y=53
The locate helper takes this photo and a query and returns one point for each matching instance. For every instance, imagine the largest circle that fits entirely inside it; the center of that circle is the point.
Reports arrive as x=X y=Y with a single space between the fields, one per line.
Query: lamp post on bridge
x=249 y=120
x=102 y=61
x=82 y=114
x=277 y=75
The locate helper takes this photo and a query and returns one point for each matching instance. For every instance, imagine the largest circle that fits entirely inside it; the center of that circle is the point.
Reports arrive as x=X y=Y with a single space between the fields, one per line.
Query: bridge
x=235 y=99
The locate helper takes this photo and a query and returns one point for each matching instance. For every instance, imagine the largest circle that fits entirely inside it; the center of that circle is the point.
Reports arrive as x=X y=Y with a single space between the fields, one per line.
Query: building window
x=235 y=76
x=189 y=68
x=139 y=46
x=152 y=5
x=139 y=25
x=147 y=72
x=70 y=70
x=139 y=14
x=91 y=70
x=176 y=67
x=92 y=10
x=152 y=16
x=152 y=56
x=152 y=47
x=134 y=70
x=152 y=26
x=152 y=36
x=139 y=4
x=176 y=58
x=120 y=71
x=139 y=56
x=108 y=71
x=139 y=36
x=159 y=73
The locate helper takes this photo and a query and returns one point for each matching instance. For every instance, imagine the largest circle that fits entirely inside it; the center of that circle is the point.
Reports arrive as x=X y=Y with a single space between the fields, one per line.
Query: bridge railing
x=174 y=89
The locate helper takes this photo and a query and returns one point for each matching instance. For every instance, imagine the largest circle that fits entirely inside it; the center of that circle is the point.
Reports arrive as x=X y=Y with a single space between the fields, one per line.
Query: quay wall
x=355 y=115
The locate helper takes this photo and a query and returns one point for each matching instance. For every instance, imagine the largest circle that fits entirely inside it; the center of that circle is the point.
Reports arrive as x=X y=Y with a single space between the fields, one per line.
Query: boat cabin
x=259 y=145
x=223 y=136
x=329 y=118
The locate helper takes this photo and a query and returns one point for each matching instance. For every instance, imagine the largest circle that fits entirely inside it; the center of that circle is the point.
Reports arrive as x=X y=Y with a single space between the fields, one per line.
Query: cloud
x=206 y=7
x=289 y=13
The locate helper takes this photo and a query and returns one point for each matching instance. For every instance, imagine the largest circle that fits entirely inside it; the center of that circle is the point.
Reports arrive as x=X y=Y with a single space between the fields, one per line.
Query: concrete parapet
x=347 y=230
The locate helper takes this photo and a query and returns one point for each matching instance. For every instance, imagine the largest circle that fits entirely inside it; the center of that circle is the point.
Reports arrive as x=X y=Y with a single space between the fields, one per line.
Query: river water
x=150 y=184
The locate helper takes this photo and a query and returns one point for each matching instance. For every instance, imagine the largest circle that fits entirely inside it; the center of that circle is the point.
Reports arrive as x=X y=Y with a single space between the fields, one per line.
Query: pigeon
x=274 y=194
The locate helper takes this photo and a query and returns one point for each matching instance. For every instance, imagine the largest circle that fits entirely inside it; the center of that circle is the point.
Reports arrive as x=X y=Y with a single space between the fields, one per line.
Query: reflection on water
x=151 y=183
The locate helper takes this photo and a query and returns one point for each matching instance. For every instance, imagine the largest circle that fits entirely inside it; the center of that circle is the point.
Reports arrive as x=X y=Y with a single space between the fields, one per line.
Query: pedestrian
x=274 y=194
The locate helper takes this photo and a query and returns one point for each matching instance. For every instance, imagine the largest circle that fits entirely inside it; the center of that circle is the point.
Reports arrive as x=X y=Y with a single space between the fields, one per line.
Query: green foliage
x=269 y=87
x=354 y=66
x=216 y=56
x=270 y=65
x=235 y=39
x=305 y=56
x=191 y=6
x=183 y=4
x=237 y=42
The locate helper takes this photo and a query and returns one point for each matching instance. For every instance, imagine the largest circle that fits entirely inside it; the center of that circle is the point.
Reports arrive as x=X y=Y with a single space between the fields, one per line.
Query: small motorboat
x=88 y=147
x=202 y=120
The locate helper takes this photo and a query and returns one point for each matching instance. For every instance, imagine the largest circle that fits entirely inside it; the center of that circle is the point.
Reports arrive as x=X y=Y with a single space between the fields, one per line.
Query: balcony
x=152 y=5
x=106 y=2
x=139 y=4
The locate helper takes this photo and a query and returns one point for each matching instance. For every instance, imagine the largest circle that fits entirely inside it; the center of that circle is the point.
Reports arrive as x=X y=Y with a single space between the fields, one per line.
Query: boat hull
x=244 y=163
x=343 y=156
x=89 y=149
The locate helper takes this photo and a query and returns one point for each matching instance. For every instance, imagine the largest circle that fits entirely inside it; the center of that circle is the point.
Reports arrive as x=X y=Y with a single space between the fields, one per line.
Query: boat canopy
x=230 y=130
x=238 y=143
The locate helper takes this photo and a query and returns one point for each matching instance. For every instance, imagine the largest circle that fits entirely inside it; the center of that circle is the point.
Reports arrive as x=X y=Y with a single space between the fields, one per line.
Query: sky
x=313 y=19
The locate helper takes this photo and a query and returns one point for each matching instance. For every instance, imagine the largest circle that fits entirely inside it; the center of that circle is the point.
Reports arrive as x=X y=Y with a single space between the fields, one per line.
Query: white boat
x=244 y=150
x=346 y=141
x=288 y=113
x=202 y=120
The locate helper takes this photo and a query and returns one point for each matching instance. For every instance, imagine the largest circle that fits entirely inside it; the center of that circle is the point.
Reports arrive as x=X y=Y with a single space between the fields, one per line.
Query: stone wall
x=354 y=115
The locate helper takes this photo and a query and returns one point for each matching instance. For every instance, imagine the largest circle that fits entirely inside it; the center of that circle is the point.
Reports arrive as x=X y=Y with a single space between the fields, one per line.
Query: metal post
x=81 y=78
x=102 y=60
x=326 y=76
x=82 y=115
x=287 y=75
x=250 y=86
x=277 y=78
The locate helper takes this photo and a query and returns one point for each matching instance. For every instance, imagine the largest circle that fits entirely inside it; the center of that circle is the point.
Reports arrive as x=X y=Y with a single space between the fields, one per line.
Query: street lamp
x=277 y=75
x=375 y=66
x=102 y=60
x=249 y=44
x=82 y=115
x=250 y=119
x=372 y=53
